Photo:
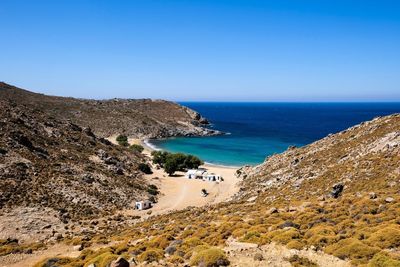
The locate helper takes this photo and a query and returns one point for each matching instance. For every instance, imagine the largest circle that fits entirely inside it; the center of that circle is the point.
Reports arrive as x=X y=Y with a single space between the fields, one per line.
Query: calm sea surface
x=256 y=130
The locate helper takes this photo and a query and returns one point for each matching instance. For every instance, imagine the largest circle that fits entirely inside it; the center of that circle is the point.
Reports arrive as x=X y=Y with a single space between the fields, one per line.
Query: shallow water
x=257 y=130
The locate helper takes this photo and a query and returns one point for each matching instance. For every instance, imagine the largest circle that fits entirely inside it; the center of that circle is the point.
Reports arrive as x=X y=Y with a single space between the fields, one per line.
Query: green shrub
x=153 y=190
x=137 y=148
x=212 y=257
x=145 y=168
x=172 y=162
x=122 y=140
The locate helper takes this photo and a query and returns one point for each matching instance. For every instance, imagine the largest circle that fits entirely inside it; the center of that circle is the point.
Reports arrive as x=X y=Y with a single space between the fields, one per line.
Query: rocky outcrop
x=139 y=118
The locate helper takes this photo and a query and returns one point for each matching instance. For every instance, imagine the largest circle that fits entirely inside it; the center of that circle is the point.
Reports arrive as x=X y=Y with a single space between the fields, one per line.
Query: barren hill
x=55 y=172
x=141 y=118
x=332 y=203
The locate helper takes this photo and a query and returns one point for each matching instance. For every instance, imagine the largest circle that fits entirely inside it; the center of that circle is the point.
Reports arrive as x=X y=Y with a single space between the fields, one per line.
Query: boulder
x=337 y=190
x=389 y=199
x=120 y=262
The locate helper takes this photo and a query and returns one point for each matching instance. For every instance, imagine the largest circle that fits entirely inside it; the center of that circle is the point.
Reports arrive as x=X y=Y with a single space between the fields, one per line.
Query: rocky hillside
x=60 y=170
x=335 y=202
x=142 y=118
x=362 y=158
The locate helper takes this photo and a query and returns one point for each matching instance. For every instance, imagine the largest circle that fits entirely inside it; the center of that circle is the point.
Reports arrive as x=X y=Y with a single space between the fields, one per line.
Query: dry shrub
x=283 y=236
x=320 y=235
x=295 y=244
x=388 y=237
x=383 y=260
x=151 y=255
x=211 y=257
x=352 y=249
x=102 y=260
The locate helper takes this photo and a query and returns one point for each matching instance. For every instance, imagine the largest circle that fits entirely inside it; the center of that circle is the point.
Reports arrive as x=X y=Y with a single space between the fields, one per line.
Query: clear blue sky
x=299 y=50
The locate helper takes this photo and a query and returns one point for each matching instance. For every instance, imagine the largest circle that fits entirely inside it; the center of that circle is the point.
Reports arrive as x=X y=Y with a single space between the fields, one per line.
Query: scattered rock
x=372 y=195
x=258 y=256
x=170 y=250
x=273 y=210
x=289 y=224
x=389 y=199
x=120 y=262
x=337 y=190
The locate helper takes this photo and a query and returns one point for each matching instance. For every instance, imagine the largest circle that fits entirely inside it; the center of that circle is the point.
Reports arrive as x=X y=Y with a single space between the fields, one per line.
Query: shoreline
x=151 y=147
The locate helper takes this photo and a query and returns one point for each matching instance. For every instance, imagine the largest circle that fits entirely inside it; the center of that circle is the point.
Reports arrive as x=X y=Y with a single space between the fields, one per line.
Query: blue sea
x=257 y=130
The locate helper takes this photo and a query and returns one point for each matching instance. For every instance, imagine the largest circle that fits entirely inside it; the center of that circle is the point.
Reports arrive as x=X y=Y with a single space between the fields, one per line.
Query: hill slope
x=142 y=118
x=58 y=173
x=337 y=196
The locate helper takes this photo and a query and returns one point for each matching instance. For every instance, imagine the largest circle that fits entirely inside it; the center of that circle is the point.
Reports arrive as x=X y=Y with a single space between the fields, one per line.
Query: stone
x=389 y=199
x=258 y=256
x=120 y=262
x=170 y=250
x=272 y=210
x=337 y=190
x=372 y=195
x=289 y=224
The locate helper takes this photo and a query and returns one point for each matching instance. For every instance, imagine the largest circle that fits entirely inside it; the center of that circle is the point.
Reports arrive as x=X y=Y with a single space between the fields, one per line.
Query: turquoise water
x=257 y=130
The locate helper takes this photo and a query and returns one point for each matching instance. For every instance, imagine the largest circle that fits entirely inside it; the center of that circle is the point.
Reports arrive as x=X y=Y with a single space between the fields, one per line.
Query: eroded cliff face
x=138 y=118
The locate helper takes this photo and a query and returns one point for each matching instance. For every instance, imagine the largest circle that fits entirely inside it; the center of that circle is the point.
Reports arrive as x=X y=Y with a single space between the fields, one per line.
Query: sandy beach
x=178 y=192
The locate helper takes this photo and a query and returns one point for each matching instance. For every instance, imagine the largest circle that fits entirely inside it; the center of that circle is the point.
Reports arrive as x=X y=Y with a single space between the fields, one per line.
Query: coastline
x=179 y=192
x=146 y=143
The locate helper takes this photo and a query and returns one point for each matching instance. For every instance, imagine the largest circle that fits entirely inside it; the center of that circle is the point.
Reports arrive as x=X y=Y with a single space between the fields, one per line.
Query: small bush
x=352 y=249
x=176 y=260
x=383 y=260
x=295 y=244
x=153 y=190
x=212 y=257
x=151 y=255
x=122 y=140
x=284 y=236
x=102 y=260
x=297 y=261
x=137 y=148
x=145 y=168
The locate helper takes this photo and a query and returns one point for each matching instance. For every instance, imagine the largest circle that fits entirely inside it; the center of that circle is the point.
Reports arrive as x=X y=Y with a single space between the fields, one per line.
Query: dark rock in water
x=337 y=190
x=120 y=262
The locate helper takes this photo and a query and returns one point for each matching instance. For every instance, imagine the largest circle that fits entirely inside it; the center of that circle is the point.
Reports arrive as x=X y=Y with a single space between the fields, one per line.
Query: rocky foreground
x=137 y=118
x=335 y=202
